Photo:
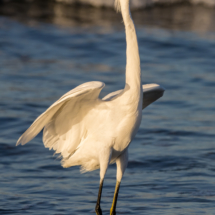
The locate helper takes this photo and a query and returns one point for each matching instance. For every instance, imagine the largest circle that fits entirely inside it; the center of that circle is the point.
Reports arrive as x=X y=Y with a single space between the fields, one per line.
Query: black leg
x=113 y=208
x=98 y=208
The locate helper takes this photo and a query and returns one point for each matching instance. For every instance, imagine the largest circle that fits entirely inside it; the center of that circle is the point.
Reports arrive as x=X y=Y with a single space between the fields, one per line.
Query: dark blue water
x=172 y=159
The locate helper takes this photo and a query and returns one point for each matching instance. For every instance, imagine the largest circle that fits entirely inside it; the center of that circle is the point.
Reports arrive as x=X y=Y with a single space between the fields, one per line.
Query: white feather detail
x=117 y=5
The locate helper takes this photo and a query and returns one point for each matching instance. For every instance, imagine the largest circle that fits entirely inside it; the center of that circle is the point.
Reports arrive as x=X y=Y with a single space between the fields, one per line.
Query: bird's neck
x=133 y=71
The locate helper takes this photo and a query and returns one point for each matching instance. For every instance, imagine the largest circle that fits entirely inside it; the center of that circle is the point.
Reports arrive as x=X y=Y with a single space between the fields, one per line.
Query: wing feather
x=151 y=93
x=61 y=121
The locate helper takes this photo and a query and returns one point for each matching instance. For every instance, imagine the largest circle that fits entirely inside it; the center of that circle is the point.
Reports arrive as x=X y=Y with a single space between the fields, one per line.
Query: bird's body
x=93 y=132
x=108 y=124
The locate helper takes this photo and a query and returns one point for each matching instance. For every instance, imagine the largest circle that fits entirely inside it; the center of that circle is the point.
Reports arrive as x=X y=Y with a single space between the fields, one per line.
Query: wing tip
x=151 y=92
x=19 y=141
x=153 y=86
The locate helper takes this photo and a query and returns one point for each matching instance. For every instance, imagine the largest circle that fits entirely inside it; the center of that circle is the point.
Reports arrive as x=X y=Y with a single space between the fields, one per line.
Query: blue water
x=171 y=161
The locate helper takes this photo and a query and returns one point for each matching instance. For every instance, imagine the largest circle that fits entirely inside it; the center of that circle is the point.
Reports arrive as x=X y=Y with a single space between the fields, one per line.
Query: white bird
x=93 y=132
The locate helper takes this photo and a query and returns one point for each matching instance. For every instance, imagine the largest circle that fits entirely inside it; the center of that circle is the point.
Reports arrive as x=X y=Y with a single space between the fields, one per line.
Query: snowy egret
x=93 y=132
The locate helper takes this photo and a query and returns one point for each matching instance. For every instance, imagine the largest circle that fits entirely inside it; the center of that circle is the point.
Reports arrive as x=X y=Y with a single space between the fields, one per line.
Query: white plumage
x=70 y=122
x=93 y=132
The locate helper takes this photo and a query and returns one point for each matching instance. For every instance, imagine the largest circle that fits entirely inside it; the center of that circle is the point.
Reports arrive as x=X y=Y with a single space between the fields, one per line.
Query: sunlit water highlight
x=171 y=161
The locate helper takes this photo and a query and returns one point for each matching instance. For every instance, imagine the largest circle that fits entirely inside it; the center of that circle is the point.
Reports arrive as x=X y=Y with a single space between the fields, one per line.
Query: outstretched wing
x=151 y=93
x=61 y=121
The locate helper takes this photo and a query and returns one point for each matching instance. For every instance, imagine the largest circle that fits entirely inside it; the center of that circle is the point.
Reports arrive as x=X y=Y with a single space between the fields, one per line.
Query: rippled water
x=171 y=161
